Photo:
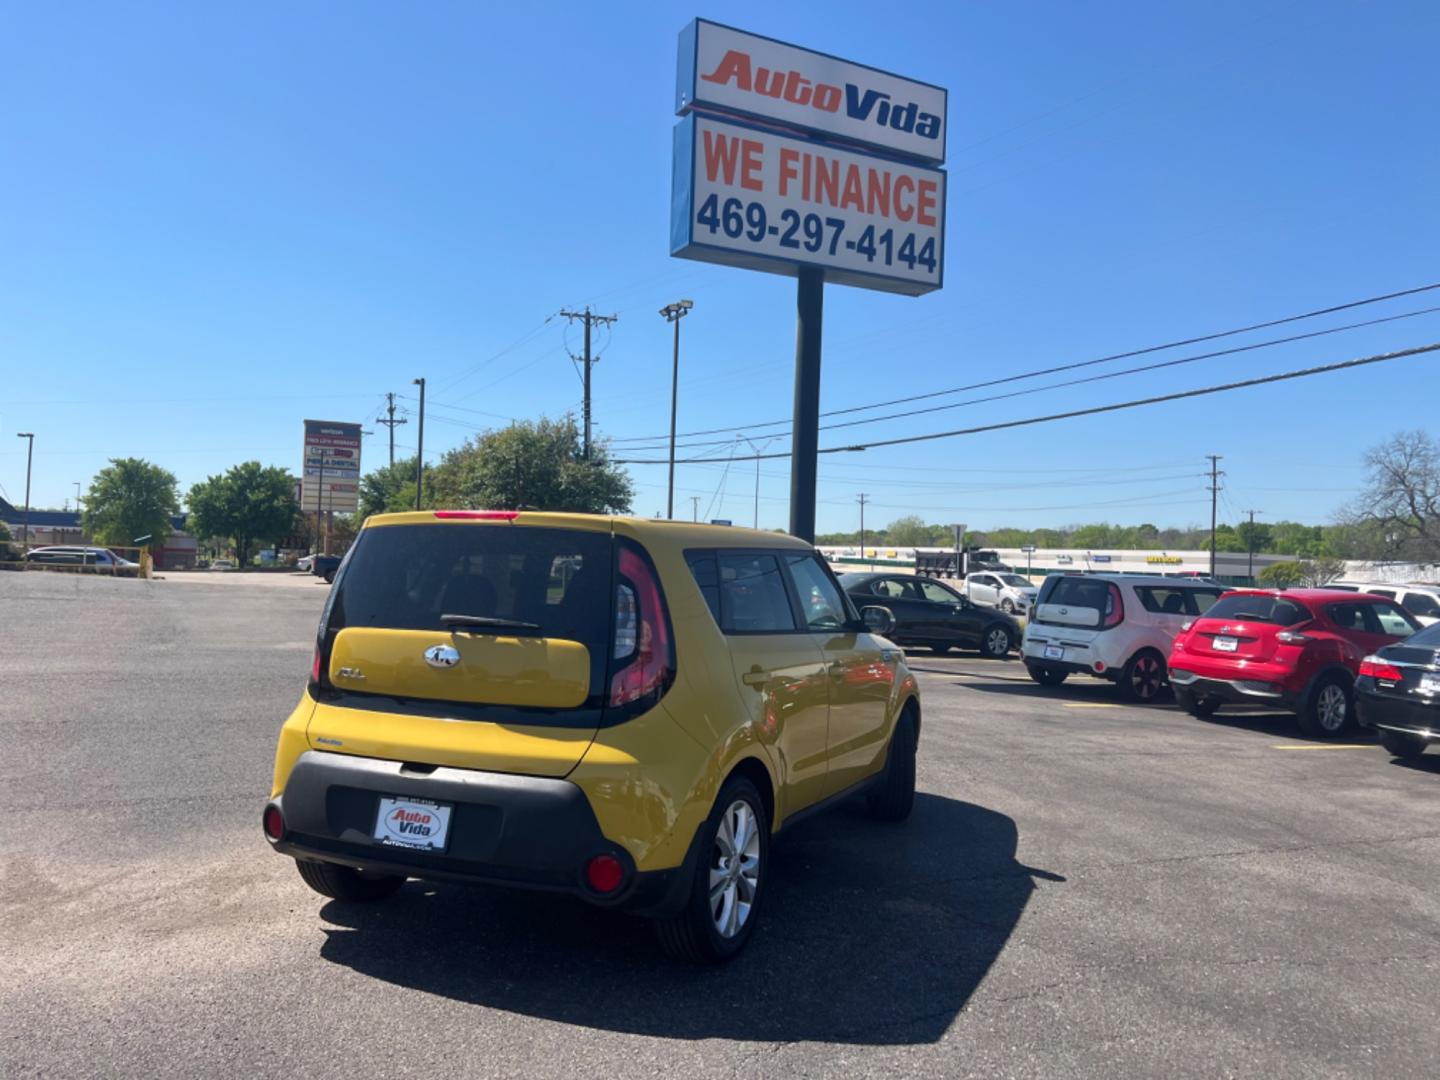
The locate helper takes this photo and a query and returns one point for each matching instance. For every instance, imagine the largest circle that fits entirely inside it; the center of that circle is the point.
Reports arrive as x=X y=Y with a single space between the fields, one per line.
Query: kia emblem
x=442 y=656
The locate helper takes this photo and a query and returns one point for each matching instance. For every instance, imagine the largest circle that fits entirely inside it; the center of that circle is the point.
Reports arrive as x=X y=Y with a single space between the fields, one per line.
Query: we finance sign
x=751 y=197
x=739 y=73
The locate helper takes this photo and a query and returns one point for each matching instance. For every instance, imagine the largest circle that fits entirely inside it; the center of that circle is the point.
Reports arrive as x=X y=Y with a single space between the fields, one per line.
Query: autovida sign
x=788 y=158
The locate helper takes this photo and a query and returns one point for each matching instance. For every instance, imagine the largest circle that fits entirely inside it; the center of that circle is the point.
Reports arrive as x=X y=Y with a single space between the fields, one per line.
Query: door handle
x=755 y=677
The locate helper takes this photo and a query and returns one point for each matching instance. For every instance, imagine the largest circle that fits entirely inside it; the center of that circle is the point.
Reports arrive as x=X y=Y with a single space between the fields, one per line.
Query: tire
x=329 y=577
x=347 y=883
x=1007 y=606
x=1200 y=707
x=1403 y=745
x=894 y=796
x=1144 y=677
x=1329 y=710
x=702 y=933
x=1046 y=676
x=940 y=648
x=996 y=642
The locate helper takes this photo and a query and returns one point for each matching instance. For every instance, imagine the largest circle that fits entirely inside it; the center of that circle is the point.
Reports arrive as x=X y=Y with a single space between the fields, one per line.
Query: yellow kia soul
x=618 y=708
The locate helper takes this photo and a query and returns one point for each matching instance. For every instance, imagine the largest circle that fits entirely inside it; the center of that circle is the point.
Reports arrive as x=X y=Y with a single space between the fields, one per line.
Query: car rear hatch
x=1246 y=626
x=1416 y=666
x=1079 y=604
x=473 y=639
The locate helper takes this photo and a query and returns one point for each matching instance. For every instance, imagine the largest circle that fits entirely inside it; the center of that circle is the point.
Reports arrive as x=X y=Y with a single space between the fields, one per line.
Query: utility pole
x=805 y=428
x=419 y=444
x=81 y=526
x=390 y=423
x=862 y=498
x=757 y=452
x=1215 y=475
x=589 y=319
x=25 y=523
x=695 y=507
x=670 y=313
x=1250 y=544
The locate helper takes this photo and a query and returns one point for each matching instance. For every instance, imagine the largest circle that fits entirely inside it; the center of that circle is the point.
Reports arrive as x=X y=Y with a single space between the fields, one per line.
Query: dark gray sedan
x=931 y=614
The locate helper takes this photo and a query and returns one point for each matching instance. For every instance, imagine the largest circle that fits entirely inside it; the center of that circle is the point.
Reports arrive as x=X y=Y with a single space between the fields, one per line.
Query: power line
x=1080 y=364
x=1179 y=395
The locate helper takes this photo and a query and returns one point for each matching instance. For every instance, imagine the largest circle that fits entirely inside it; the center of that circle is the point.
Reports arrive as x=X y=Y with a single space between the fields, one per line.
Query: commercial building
x=48 y=528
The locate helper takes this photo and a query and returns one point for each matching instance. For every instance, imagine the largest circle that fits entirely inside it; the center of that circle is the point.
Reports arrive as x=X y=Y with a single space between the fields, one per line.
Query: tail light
x=273 y=822
x=315 y=666
x=643 y=655
x=1116 y=613
x=1377 y=668
x=1292 y=637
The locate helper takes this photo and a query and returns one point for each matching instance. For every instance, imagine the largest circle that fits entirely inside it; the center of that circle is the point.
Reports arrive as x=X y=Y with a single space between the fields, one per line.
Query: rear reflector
x=479 y=515
x=273 y=822
x=604 y=873
x=1376 y=668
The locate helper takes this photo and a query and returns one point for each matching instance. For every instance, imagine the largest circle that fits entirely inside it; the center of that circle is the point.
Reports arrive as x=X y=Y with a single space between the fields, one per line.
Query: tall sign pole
x=799 y=163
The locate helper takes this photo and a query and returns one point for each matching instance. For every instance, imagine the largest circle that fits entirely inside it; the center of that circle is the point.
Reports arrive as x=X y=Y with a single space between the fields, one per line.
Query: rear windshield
x=1429 y=637
x=1259 y=608
x=404 y=577
x=1080 y=592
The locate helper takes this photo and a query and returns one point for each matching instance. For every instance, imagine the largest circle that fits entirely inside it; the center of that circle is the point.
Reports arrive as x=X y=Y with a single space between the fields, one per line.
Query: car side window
x=707 y=577
x=1392 y=620
x=820 y=600
x=937 y=594
x=753 y=597
x=1200 y=601
x=1389 y=594
x=1349 y=616
x=895 y=590
x=1422 y=604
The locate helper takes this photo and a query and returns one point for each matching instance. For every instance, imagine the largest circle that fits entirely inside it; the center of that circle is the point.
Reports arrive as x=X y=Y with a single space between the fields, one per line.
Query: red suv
x=1299 y=650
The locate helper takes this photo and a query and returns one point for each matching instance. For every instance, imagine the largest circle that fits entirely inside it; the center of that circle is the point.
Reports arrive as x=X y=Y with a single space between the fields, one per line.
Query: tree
x=1281 y=575
x=391 y=488
x=250 y=504
x=533 y=465
x=128 y=499
x=1402 y=496
x=909 y=531
x=1254 y=536
x=7 y=550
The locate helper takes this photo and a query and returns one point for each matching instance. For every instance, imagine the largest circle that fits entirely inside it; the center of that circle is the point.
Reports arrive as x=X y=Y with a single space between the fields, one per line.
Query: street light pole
x=420 y=444
x=673 y=313
x=25 y=523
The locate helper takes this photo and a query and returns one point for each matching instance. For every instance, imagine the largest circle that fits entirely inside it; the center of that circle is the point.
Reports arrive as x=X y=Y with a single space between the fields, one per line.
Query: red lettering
x=827 y=180
x=877 y=193
x=902 y=182
x=770 y=83
x=854 y=198
x=827 y=97
x=788 y=157
x=797 y=89
x=733 y=65
x=720 y=155
x=750 y=165
x=924 y=214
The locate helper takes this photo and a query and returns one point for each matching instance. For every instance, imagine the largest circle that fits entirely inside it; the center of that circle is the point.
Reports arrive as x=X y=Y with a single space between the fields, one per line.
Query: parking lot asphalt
x=1085 y=889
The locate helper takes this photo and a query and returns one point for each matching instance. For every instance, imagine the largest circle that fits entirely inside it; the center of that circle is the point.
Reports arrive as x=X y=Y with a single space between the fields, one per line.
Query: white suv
x=1112 y=626
x=1011 y=593
x=1420 y=600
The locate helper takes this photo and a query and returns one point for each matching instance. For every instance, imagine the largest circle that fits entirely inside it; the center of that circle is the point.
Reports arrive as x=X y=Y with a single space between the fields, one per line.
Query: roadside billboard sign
x=756 y=199
x=746 y=74
x=331 y=467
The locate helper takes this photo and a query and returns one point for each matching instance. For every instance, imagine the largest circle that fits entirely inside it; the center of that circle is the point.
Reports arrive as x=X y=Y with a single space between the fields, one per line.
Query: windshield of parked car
x=1016 y=580
x=1257 y=607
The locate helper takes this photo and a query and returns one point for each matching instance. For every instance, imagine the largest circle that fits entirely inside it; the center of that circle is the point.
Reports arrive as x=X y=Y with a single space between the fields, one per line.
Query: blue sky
x=217 y=220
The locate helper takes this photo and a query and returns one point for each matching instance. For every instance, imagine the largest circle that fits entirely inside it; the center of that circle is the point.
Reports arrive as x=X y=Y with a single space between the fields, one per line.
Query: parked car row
x=1336 y=657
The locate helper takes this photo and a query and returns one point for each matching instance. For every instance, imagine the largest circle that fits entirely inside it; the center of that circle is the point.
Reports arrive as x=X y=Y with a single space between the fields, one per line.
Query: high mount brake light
x=1377 y=668
x=479 y=515
x=642 y=632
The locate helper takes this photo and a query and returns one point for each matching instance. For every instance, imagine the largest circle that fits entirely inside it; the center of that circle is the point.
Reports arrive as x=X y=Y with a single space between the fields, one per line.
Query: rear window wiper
x=485 y=622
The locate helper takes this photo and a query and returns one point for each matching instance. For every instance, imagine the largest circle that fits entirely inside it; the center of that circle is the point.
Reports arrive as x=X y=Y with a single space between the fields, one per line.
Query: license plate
x=1054 y=652
x=1226 y=644
x=413 y=823
x=1429 y=684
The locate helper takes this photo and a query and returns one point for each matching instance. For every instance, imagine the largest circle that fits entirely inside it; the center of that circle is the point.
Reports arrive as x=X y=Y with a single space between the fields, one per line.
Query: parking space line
x=1326 y=746
x=1090 y=705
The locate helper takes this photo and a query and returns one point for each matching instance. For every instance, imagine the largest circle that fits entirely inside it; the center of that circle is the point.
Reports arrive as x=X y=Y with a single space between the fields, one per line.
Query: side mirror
x=878 y=620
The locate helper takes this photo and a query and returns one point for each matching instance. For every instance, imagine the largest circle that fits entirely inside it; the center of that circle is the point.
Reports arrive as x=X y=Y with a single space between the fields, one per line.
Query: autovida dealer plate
x=413 y=823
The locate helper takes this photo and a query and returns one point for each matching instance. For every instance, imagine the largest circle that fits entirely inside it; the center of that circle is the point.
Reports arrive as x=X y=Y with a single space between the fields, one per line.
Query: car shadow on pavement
x=871 y=934
x=1281 y=725
x=1426 y=763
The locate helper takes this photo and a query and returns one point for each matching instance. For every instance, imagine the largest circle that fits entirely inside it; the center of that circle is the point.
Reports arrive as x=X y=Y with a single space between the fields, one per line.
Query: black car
x=1398 y=693
x=931 y=614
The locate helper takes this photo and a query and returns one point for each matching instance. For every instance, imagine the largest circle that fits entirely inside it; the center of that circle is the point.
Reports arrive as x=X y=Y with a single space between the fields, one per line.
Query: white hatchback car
x=1011 y=593
x=1112 y=626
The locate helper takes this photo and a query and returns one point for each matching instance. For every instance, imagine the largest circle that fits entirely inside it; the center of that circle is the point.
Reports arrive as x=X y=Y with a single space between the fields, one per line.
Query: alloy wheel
x=1147 y=676
x=997 y=642
x=1331 y=707
x=734 y=868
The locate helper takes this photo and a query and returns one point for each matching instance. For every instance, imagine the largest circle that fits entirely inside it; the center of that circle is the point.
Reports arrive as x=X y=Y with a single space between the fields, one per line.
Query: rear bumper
x=522 y=831
x=1388 y=714
x=1235 y=691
